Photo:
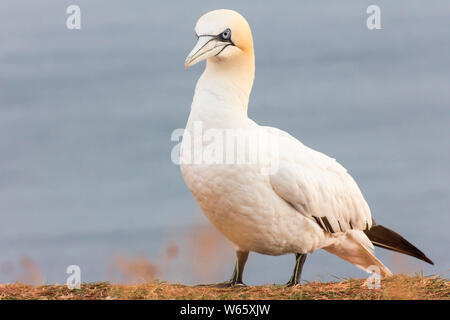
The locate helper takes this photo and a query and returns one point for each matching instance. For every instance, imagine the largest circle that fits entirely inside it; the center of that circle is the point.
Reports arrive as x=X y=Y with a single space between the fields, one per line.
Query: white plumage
x=310 y=202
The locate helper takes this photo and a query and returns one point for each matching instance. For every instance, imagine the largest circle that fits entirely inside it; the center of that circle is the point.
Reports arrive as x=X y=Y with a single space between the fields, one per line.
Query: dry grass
x=398 y=287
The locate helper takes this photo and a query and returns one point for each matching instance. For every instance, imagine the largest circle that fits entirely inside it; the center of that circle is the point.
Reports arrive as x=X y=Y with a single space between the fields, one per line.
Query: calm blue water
x=86 y=118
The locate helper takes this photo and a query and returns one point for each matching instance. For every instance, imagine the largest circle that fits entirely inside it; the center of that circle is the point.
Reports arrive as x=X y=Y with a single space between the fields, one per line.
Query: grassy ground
x=398 y=287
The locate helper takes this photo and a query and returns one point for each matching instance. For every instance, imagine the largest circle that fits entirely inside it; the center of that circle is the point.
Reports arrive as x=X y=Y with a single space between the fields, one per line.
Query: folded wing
x=318 y=187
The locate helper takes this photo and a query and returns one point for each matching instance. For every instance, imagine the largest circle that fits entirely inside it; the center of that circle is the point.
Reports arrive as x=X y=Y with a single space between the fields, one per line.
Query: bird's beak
x=206 y=47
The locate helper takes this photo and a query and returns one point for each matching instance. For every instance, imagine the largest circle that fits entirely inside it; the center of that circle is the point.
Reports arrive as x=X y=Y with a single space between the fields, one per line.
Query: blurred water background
x=86 y=118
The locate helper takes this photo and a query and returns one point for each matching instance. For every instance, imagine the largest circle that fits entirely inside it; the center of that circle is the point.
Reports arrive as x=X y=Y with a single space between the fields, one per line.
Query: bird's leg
x=297 y=274
x=236 y=278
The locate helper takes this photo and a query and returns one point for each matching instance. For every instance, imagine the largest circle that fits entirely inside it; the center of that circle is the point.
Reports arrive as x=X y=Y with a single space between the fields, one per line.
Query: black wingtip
x=388 y=239
x=426 y=259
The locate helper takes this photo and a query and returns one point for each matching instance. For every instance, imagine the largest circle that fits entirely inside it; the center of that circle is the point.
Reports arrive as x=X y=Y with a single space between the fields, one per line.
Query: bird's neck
x=224 y=87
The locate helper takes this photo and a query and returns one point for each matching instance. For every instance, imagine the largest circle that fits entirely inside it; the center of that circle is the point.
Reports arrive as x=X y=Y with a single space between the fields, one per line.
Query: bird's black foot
x=236 y=278
x=230 y=284
x=225 y=284
x=292 y=283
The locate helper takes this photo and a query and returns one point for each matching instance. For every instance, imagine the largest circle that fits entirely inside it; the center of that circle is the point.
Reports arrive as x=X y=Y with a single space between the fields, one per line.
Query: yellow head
x=223 y=36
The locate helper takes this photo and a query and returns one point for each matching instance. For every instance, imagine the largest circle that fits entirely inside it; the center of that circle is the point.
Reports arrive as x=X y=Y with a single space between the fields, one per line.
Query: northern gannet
x=309 y=202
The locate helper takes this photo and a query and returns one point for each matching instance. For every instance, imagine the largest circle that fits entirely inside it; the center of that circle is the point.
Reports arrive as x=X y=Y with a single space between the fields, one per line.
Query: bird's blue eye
x=226 y=35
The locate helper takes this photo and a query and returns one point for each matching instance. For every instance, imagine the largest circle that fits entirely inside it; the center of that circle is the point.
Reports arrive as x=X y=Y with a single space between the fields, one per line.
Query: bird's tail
x=388 y=239
x=356 y=248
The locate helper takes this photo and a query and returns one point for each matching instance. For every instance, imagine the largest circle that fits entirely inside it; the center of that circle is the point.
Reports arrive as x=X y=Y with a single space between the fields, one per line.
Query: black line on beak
x=218 y=38
x=227 y=45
